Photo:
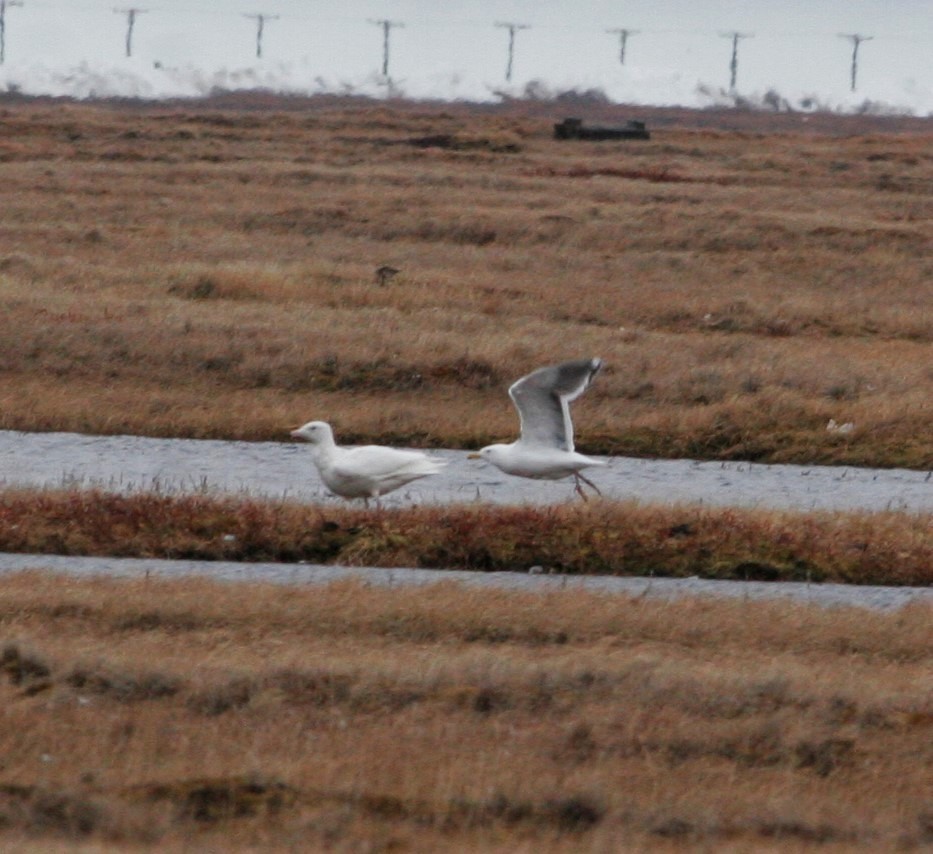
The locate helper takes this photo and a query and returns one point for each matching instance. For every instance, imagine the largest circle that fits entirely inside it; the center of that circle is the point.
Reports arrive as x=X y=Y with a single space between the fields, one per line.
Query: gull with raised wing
x=367 y=471
x=545 y=448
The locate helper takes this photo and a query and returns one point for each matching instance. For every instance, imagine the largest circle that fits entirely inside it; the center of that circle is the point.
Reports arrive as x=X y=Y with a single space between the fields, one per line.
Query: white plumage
x=368 y=471
x=545 y=448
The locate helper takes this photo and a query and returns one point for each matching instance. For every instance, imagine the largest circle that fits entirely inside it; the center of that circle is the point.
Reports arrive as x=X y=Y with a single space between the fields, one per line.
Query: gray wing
x=542 y=399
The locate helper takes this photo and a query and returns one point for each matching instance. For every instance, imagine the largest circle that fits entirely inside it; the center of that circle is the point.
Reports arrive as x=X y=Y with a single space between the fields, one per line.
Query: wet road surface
x=284 y=470
x=827 y=595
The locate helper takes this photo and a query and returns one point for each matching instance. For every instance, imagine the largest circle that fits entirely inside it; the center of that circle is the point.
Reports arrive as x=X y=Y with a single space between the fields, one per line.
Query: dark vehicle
x=574 y=129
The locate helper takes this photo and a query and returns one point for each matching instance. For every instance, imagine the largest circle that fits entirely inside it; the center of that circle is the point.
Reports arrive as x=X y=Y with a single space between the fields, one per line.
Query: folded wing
x=382 y=467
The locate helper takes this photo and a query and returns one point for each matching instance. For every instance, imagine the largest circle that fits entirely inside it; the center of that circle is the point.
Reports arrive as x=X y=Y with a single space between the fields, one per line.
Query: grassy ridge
x=195 y=270
x=594 y=538
x=185 y=715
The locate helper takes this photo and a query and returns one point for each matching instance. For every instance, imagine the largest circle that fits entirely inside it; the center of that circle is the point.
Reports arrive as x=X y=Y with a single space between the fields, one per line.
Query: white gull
x=367 y=471
x=545 y=448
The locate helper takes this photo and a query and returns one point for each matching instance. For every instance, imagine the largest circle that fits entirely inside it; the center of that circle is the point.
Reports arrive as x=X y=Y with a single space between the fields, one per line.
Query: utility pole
x=512 y=28
x=3 y=5
x=386 y=29
x=734 y=64
x=623 y=40
x=130 y=23
x=856 y=40
x=260 y=26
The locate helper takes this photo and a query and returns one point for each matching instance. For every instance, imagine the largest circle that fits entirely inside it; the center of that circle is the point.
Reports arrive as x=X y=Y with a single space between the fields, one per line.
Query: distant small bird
x=367 y=471
x=385 y=274
x=545 y=448
x=833 y=427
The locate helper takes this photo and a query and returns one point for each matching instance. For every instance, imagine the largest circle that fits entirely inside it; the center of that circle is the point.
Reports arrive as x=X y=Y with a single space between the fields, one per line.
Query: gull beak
x=474 y=456
x=294 y=433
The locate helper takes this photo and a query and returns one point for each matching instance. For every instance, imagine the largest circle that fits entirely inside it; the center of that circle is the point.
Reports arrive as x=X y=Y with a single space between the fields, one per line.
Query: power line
x=130 y=23
x=512 y=28
x=387 y=27
x=3 y=5
x=623 y=34
x=856 y=40
x=734 y=63
x=260 y=26
x=200 y=7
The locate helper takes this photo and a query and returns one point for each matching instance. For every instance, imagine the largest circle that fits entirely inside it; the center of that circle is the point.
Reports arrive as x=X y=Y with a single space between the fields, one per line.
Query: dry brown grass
x=235 y=717
x=601 y=538
x=205 y=271
x=208 y=270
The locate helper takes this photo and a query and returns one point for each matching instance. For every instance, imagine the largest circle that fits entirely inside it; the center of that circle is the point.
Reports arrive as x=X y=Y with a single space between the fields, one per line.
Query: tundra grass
x=189 y=715
x=198 y=270
x=597 y=538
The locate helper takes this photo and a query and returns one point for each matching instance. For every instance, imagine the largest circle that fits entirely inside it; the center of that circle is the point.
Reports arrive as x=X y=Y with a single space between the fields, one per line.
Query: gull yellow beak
x=474 y=456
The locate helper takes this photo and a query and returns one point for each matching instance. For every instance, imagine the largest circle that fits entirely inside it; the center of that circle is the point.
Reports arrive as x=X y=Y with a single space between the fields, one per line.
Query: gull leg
x=380 y=513
x=577 y=488
x=376 y=498
x=588 y=482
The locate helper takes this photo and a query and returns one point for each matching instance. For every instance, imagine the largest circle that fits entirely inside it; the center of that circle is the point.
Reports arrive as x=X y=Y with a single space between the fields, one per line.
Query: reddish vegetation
x=597 y=538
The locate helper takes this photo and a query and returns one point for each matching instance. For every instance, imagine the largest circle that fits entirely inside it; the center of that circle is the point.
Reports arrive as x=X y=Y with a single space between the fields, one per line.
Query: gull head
x=491 y=454
x=315 y=432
